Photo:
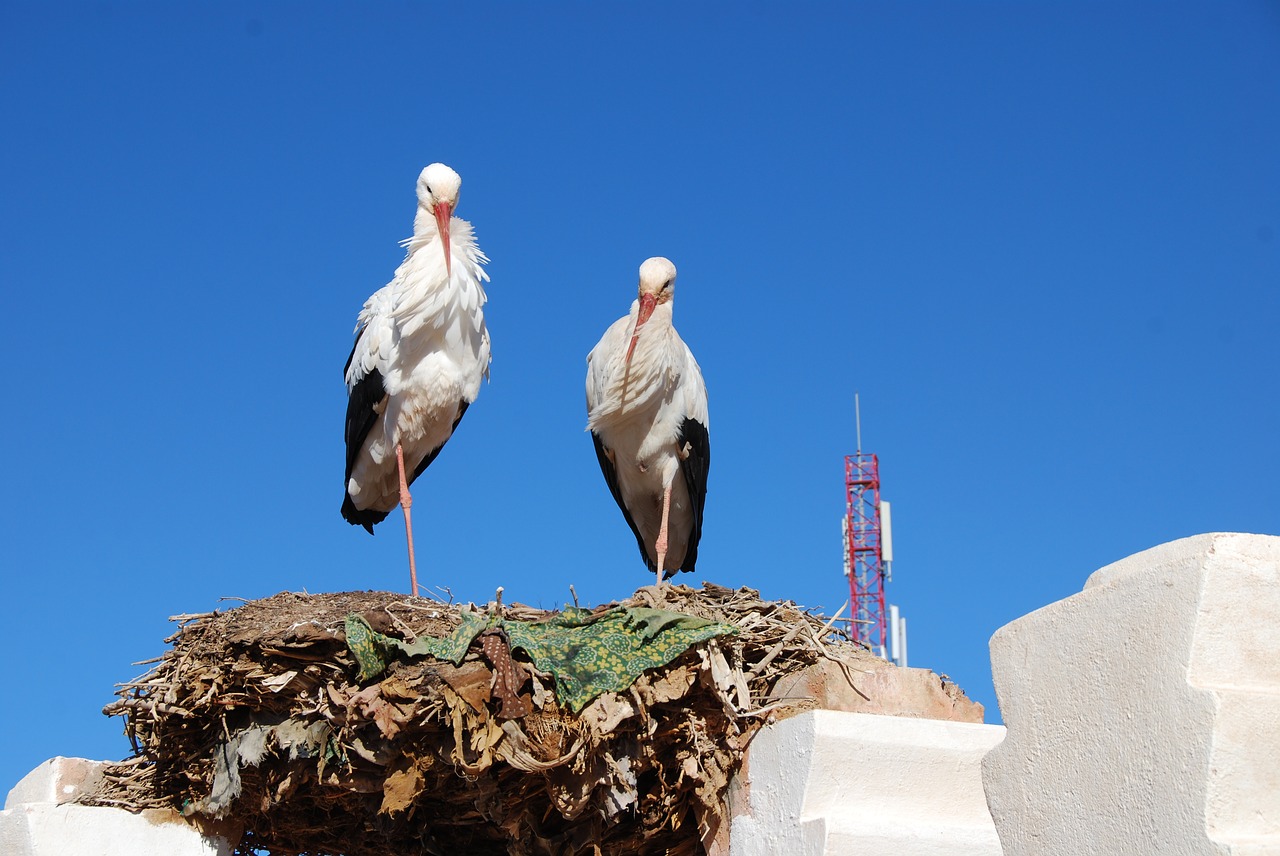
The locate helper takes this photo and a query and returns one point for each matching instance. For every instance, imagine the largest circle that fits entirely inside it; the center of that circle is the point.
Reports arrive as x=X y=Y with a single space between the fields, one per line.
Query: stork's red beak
x=647 y=303
x=443 y=212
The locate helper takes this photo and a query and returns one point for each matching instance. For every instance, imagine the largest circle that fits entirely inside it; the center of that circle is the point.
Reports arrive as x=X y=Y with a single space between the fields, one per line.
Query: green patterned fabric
x=592 y=654
x=589 y=653
x=361 y=645
x=372 y=650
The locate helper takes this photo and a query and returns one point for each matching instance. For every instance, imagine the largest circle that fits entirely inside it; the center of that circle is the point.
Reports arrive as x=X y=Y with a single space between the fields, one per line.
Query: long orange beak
x=443 y=212
x=647 y=303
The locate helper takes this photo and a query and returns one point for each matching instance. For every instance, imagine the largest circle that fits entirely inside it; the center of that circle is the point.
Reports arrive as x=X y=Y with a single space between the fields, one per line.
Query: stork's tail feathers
x=361 y=517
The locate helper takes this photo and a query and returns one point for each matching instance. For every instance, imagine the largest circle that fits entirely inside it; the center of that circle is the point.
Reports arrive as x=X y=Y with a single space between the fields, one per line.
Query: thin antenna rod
x=857 y=418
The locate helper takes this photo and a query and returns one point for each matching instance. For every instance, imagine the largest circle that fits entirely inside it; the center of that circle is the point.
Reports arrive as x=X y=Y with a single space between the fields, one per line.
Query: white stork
x=647 y=414
x=421 y=350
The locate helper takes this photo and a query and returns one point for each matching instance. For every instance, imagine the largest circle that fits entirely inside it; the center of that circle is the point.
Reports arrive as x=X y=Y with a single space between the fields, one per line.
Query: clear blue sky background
x=1041 y=239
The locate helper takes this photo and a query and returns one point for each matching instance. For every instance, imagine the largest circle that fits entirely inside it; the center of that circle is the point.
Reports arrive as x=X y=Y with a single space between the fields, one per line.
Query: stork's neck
x=660 y=319
x=424 y=225
x=653 y=342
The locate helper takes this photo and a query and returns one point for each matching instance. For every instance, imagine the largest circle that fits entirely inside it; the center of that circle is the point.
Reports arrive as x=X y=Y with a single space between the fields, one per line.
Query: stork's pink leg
x=406 y=502
x=661 y=546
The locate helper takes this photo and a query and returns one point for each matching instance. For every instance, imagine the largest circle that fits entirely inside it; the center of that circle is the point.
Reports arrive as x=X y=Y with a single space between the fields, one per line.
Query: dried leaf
x=669 y=687
x=622 y=789
x=395 y=688
x=471 y=681
x=279 y=682
x=721 y=675
x=387 y=717
x=606 y=713
x=404 y=783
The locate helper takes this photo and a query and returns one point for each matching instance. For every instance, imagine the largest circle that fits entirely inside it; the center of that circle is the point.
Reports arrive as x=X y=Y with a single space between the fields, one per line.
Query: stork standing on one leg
x=421 y=350
x=647 y=413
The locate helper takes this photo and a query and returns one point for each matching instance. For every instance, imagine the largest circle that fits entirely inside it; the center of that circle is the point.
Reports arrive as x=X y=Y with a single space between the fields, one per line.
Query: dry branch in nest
x=259 y=714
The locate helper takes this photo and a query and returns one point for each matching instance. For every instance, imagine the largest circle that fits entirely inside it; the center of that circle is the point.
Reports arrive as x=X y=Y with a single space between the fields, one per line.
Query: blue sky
x=1042 y=240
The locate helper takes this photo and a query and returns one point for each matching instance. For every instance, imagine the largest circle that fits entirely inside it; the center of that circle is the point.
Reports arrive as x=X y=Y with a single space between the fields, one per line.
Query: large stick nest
x=257 y=714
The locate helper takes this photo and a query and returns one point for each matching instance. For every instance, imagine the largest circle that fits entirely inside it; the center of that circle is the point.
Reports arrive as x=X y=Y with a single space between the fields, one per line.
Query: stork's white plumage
x=647 y=413
x=420 y=353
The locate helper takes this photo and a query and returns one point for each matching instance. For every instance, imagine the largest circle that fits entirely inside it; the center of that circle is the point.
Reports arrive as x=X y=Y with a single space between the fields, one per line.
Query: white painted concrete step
x=827 y=783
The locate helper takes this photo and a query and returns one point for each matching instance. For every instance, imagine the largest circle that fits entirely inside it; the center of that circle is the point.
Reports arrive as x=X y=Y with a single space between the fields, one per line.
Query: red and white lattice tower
x=864 y=559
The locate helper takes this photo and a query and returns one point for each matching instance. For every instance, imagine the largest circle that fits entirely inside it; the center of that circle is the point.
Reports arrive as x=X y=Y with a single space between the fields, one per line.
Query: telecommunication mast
x=868 y=555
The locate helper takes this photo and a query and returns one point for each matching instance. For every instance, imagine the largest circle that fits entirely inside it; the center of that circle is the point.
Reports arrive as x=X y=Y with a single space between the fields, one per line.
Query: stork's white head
x=658 y=278
x=438 y=188
x=657 y=285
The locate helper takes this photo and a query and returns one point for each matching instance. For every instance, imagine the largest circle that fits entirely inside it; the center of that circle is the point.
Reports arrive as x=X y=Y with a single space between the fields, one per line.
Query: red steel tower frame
x=864 y=558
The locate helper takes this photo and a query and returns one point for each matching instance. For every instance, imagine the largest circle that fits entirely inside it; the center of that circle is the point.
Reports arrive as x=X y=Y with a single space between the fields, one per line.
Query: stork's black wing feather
x=695 y=467
x=426 y=462
x=611 y=478
x=361 y=416
x=365 y=396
